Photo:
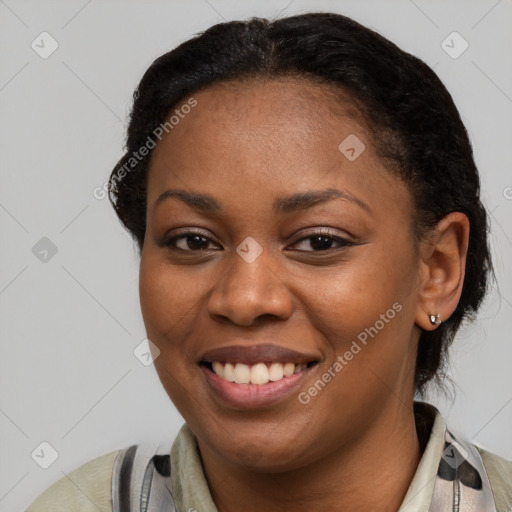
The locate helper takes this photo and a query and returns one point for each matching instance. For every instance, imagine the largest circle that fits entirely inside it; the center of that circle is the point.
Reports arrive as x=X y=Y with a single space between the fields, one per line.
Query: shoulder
x=499 y=471
x=86 y=489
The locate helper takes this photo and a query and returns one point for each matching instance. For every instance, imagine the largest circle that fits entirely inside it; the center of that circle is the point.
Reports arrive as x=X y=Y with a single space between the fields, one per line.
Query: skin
x=246 y=144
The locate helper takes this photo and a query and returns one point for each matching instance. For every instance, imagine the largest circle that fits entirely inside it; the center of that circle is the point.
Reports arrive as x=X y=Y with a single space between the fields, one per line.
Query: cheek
x=353 y=297
x=365 y=313
x=167 y=306
x=167 y=298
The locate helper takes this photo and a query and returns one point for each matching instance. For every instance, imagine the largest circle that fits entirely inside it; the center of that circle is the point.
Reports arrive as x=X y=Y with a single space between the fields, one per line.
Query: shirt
x=88 y=488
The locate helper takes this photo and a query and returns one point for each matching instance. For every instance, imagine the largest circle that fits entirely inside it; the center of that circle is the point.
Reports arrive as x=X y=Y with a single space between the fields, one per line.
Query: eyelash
x=343 y=242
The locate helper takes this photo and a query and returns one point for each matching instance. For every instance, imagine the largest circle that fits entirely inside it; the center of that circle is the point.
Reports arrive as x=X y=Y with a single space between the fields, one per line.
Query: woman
x=306 y=205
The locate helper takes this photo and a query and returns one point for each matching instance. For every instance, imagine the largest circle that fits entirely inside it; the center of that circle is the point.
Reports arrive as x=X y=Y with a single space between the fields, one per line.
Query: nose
x=247 y=292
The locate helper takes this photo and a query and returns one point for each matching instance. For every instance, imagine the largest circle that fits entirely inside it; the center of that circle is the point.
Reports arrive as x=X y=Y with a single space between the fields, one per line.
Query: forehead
x=300 y=98
x=264 y=117
x=267 y=137
x=283 y=104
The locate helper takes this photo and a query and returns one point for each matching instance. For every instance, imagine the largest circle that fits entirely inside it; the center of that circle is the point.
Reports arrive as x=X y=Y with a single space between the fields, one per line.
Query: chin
x=264 y=459
x=258 y=451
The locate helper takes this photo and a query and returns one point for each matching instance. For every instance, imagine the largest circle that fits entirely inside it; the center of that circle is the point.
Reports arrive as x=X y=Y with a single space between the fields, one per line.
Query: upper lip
x=255 y=354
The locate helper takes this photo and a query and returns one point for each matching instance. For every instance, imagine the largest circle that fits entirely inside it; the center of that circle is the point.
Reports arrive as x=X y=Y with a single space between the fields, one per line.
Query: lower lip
x=253 y=396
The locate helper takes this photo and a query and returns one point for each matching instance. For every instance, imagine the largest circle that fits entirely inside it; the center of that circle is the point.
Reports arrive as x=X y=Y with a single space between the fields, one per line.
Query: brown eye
x=323 y=241
x=189 y=242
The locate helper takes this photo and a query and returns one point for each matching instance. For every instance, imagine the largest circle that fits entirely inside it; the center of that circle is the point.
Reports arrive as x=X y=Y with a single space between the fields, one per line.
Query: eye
x=190 y=242
x=322 y=240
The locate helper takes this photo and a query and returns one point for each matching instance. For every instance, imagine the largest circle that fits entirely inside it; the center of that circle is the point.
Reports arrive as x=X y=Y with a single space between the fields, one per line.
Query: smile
x=250 y=376
x=249 y=395
x=260 y=373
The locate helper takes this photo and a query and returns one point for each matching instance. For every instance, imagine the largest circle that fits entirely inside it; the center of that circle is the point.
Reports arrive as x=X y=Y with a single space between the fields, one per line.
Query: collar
x=450 y=476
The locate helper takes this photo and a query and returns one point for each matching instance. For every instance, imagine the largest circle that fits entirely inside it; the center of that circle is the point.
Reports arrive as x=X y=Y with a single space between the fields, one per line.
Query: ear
x=442 y=269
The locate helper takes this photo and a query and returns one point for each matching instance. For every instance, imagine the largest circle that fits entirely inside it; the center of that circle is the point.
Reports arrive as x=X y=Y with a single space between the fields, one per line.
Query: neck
x=348 y=480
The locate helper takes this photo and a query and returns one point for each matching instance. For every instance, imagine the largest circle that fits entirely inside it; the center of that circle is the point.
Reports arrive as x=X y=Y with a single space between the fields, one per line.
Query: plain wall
x=68 y=326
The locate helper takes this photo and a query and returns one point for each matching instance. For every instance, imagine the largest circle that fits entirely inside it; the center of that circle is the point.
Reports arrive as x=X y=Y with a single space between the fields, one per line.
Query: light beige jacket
x=88 y=488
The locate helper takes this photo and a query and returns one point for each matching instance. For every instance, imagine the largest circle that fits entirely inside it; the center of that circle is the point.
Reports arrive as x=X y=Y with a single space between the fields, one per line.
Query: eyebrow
x=286 y=204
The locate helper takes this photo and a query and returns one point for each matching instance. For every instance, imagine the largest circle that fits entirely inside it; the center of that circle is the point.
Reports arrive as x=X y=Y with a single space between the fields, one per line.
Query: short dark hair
x=410 y=115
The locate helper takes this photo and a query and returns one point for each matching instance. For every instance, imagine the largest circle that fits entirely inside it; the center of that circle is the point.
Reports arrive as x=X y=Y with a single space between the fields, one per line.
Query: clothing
x=445 y=470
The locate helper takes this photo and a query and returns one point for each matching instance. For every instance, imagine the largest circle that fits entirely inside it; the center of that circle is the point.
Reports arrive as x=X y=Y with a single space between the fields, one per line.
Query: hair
x=410 y=116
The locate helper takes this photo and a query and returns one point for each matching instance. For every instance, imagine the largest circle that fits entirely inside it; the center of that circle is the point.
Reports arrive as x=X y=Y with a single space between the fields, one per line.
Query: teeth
x=300 y=367
x=288 y=369
x=275 y=372
x=258 y=373
x=229 y=372
x=218 y=369
x=242 y=374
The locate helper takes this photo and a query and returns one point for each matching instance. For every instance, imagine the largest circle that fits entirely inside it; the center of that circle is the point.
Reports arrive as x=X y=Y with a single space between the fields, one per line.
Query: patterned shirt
x=89 y=488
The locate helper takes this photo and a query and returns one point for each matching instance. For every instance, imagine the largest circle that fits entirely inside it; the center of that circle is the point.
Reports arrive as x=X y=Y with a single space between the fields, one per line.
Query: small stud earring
x=435 y=319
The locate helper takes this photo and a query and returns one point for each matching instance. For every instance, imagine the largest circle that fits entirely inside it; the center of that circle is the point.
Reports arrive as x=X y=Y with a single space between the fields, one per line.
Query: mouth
x=258 y=374
x=248 y=377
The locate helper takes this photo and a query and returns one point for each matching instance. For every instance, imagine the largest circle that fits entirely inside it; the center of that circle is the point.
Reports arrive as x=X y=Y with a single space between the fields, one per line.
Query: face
x=268 y=244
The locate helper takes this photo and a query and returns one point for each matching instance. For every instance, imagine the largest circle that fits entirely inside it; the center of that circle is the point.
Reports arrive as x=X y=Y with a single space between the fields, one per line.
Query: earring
x=435 y=319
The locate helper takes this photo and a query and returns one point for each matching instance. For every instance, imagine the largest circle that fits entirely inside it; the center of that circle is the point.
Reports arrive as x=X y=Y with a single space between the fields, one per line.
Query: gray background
x=69 y=325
